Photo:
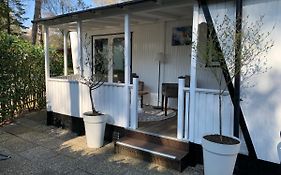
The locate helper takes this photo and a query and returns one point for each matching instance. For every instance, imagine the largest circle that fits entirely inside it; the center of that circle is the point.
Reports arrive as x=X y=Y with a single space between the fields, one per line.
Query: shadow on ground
x=39 y=149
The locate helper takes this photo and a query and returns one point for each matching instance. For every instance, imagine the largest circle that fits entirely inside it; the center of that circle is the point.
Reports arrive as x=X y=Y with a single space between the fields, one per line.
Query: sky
x=30 y=10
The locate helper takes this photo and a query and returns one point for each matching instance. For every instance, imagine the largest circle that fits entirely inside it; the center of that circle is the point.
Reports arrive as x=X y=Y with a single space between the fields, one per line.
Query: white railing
x=70 y=97
x=63 y=96
x=206 y=115
x=109 y=99
x=134 y=104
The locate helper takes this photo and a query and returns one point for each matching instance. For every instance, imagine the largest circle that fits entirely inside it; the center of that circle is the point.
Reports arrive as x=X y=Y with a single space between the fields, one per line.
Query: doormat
x=150 y=114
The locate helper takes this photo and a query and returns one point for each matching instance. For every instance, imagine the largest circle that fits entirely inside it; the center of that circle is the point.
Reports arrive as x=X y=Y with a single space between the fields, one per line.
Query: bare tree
x=107 y=2
x=255 y=46
x=37 y=15
x=57 y=7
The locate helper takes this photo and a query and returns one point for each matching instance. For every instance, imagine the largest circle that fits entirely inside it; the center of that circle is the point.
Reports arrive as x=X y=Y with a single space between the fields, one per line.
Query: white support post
x=80 y=39
x=193 y=67
x=180 y=128
x=134 y=104
x=127 y=66
x=65 y=32
x=47 y=63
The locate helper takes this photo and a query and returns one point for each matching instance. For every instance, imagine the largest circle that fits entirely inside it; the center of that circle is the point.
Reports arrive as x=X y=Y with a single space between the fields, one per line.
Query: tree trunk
x=37 y=15
x=8 y=18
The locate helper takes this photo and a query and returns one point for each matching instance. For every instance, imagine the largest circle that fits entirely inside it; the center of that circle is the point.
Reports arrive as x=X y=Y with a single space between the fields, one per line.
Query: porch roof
x=140 y=10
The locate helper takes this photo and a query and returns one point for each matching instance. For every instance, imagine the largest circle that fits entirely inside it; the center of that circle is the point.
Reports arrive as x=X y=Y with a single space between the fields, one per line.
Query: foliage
x=11 y=16
x=22 y=79
x=56 y=63
x=255 y=44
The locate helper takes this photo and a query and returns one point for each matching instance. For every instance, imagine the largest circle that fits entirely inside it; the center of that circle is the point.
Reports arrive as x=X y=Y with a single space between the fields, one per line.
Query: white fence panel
x=63 y=97
x=109 y=99
x=72 y=98
x=206 y=118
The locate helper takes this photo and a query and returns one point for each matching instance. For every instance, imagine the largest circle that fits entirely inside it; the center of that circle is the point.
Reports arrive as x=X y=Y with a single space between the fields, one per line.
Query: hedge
x=22 y=75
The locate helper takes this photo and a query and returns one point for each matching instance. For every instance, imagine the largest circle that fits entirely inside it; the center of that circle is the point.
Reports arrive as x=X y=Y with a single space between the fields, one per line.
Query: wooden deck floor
x=164 y=128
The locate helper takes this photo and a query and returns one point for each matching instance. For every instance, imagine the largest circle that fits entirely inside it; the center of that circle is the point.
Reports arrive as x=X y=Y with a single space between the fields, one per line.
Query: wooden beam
x=237 y=79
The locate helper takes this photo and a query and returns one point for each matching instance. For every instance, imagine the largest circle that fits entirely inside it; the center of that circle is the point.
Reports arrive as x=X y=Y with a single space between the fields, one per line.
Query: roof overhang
x=130 y=7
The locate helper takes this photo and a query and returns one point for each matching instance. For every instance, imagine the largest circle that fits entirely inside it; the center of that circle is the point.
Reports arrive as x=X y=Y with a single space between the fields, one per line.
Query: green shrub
x=22 y=75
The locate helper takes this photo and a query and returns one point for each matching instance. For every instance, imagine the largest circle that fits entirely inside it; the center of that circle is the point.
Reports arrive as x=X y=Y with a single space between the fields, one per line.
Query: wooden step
x=159 y=140
x=154 y=149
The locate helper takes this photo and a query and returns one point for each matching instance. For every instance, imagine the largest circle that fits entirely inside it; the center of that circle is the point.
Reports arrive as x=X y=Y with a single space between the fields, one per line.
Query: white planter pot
x=94 y=128
x=279 y=151
x=219 y=159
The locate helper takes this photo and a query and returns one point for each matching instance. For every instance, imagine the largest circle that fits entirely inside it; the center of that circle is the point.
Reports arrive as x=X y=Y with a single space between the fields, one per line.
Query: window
x=109 y=58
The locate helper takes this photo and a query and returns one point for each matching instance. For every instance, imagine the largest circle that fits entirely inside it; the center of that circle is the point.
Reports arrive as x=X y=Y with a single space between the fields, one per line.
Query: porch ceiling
x=159 y=12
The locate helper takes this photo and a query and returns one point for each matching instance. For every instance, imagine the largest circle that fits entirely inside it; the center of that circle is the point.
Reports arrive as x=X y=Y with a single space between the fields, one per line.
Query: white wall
x=262 y=104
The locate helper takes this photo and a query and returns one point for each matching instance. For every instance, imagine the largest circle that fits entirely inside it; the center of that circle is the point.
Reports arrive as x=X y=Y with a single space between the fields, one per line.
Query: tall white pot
x=219 y=159
x=94 y=128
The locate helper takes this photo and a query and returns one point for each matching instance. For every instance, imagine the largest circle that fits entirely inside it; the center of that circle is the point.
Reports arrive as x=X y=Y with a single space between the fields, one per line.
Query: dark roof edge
x=111 y=6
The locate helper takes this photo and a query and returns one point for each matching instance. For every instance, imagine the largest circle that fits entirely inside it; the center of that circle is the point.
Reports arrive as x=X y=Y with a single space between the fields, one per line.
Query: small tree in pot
x=95 y=76
x=255 y=44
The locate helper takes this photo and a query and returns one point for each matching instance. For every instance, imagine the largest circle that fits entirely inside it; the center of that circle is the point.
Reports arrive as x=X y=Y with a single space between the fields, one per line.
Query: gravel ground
x=39 y=149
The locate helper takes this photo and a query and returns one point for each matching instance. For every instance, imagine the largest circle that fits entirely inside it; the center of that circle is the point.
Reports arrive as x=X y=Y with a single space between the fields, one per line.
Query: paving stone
x=39 y=149
x=17 y=144
x=16 y=129
x=50 y=142
x=38 y=154
x=33 y=136
x=79 y=171
x=6 y=136
x=60 y=164
x=62 y=134
x=37 y=116
x=18 y=165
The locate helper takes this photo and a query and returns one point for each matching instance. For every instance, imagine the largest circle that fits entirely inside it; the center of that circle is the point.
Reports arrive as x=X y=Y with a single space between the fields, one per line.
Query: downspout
x=230 y=87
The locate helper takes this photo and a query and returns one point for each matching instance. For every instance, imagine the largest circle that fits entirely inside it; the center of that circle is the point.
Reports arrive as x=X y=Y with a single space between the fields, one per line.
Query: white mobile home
x=155 y=40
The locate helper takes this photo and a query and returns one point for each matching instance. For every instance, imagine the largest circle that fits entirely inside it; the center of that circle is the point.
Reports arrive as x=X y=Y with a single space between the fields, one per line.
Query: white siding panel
x=72 y=98
x=109 y=99
x=64 y=97
x=206 y=116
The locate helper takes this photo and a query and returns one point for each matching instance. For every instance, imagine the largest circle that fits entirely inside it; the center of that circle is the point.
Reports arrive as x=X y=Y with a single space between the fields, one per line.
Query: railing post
x=186 y=118
x=180 y=131
x=134 y=104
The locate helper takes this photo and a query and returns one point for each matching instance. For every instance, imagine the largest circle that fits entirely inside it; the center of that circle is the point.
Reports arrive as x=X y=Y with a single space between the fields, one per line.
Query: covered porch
x=135 y=34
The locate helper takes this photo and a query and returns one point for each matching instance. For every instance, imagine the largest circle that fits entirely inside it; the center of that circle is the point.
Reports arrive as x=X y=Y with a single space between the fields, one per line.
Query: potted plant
x=95 y=76
x=220 y=151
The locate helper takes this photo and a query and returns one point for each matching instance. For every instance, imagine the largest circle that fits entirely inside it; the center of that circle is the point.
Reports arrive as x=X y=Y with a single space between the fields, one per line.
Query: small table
x=169 y=90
